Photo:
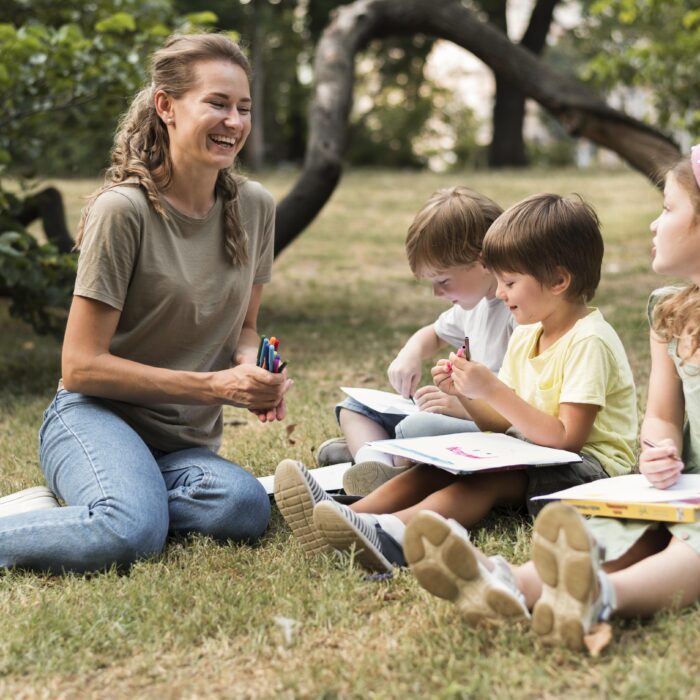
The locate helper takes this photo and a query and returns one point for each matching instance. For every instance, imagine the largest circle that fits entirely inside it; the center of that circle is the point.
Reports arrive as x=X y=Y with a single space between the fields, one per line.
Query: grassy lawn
x=199 y=622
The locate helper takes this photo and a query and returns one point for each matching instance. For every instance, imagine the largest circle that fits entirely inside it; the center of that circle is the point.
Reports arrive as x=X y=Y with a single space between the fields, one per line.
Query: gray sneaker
x=35 y=498
x=296 y=493
x=576 y=593
x=362 y=478
x=444 y=561
x=344 y=530
x=333 y=451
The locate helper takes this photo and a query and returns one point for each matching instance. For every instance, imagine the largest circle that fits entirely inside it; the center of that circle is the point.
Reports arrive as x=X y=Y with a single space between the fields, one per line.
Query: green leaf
x=202 y=18
x=118 y=23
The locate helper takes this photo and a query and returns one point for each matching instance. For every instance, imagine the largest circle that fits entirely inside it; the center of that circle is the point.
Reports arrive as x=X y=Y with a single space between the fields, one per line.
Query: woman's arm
x=89 y=368
x=662 y=426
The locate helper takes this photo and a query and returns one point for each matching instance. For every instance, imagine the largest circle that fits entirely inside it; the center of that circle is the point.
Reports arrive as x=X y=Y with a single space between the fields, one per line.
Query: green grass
x=199 y=622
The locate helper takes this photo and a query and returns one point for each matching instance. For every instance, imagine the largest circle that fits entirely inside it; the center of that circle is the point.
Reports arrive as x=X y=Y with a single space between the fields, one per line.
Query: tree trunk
x=47 y=205
x=255 y=152
x=507 y=146
x=581 y=112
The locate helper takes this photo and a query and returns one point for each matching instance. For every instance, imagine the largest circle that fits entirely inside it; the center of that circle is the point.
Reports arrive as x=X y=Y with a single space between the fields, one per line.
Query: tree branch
x=580 y=111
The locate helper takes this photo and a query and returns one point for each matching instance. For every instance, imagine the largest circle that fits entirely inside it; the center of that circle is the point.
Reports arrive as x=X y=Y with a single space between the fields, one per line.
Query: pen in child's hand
x=648 y=443
x=410 y=396
x=464 y=350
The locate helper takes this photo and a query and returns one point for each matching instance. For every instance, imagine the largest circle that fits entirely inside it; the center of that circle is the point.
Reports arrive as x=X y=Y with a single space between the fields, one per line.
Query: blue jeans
x=123 y=497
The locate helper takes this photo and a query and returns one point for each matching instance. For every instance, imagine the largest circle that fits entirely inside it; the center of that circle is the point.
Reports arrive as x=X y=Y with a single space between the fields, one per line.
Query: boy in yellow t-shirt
x=565 y=383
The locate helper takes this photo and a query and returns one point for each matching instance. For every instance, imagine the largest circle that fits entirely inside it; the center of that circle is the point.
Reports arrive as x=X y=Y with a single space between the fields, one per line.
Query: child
x=565 y=383
x=443 y=245
x=648 y=566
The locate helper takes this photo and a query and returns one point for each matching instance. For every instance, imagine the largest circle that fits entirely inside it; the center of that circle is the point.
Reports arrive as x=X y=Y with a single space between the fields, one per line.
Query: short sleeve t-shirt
x=587 y=365
x=488 y=326
x=182 y=303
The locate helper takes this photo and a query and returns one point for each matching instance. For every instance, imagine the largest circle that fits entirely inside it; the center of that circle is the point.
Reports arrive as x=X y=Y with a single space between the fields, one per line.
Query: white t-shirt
x=488 y=326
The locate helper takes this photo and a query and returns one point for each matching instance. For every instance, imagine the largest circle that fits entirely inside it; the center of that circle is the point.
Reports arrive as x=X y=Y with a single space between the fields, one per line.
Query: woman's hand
x=404 y=373
x=432 y=400
x=248 y=386
x=661 y=465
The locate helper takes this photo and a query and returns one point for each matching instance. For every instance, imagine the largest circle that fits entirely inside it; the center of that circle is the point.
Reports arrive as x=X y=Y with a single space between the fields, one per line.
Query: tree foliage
x=67 y=70
x=650 y=44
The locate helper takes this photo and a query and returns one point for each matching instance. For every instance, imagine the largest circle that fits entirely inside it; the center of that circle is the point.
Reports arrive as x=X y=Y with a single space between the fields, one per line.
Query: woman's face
x=211 y=122
x=676 y=242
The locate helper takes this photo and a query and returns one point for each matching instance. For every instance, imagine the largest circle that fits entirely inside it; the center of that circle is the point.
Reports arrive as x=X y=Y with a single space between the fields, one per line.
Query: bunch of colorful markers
x=268 y=357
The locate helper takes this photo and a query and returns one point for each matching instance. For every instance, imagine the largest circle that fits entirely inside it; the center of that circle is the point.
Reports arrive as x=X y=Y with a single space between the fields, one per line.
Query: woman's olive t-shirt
x=182 y=303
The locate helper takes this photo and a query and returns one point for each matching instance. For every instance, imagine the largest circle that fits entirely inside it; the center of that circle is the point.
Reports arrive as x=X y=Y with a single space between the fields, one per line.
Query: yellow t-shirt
x=586 y=365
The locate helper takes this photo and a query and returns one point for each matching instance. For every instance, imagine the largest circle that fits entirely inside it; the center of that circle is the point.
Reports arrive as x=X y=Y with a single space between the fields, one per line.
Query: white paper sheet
x=382 y=401
x=463 y=453
x=631 y=488
x=330 y=478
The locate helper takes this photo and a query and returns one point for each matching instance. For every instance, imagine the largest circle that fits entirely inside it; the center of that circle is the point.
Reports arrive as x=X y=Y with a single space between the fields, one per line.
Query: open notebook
x=465 y=453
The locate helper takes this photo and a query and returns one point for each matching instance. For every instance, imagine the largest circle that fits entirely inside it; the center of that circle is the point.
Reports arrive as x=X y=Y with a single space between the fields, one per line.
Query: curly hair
x=679 y=314
x=141 y=150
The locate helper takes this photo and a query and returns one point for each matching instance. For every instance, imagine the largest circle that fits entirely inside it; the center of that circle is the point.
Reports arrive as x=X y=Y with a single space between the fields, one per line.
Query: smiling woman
x=174 y=251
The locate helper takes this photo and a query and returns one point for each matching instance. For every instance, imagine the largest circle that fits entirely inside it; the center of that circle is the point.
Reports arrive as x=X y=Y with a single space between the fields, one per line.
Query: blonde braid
x=236 y=237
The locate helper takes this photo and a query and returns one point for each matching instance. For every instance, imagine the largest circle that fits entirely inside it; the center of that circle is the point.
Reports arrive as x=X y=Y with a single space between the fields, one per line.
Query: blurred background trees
x=69 y=69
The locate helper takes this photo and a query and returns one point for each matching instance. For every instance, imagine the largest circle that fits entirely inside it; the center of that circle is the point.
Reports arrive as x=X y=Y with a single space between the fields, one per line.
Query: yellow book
x=670 y=511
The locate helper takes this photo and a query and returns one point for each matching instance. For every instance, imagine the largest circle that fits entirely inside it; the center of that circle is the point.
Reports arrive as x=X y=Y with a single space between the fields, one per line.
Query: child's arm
x=405 y=371
x=485 y=417
x=568 y=431
x=663 y=421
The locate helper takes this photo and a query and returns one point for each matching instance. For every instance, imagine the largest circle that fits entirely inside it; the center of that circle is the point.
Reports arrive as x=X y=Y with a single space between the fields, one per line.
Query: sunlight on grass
x=199 y=621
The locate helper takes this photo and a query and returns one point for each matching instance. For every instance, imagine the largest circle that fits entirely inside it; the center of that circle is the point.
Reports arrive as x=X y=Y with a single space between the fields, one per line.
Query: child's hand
x=432 y=400
x=471 y=379
x=404 y=374
x=442 y=376
x=661 y=465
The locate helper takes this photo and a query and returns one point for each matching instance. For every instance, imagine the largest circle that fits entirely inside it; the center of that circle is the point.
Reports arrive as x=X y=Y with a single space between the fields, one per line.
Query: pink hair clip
x=695 y=162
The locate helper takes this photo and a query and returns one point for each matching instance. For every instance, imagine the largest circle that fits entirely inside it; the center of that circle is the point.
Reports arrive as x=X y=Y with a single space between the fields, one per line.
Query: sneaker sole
x=447 y=567
x=340 y=534
x=562 y=551
x=363 y=478
x=295 y=502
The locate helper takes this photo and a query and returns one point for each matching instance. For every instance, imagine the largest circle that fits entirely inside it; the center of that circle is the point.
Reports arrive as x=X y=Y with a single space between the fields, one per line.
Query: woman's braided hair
x=141 y=150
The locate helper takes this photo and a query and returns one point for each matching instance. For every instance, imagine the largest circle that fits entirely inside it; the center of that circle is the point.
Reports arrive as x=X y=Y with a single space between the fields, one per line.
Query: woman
x=161 y=332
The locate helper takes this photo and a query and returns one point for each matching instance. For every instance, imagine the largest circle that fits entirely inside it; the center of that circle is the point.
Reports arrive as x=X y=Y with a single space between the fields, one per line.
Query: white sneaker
x=576 y=593
x=35 y=498
x=362 y=478
x=444 y=561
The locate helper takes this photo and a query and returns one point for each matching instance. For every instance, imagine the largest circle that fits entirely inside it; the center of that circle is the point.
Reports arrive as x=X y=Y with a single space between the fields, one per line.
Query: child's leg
x=359 y=429
x=530 y=583
x=405 y=490
x=468 y=500
x=668 y=579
